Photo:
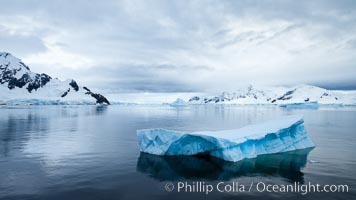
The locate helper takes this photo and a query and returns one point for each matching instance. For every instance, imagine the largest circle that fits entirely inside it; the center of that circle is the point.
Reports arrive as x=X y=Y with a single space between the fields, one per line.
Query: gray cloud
x=145 y=78
x=21 y=44
x=184 y=45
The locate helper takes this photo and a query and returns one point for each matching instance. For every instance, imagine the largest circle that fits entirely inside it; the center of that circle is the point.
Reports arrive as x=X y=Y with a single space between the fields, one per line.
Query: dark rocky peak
x=74 y=85
x=195 y=98
x=100 y=99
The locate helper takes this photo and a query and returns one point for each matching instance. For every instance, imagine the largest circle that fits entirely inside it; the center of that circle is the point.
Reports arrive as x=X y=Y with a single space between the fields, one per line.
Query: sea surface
x=91 y=152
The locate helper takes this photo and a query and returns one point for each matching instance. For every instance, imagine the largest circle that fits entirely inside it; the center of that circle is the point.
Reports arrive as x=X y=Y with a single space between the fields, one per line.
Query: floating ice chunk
x=313 y=161
x=286 y=134
x=178 y=102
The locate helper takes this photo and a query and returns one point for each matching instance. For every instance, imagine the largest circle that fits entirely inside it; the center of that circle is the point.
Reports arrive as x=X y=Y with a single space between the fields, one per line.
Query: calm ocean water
x=91 y=152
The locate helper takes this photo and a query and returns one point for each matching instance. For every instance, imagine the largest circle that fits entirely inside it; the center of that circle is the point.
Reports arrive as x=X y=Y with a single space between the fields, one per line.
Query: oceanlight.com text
x=236 y=187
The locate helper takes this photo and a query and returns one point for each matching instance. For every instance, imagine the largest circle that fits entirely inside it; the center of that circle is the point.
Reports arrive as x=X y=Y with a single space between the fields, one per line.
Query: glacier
x=274 y=136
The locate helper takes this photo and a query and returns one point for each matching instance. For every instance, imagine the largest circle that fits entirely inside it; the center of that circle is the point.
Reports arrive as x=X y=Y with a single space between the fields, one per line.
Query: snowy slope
x=19 y=85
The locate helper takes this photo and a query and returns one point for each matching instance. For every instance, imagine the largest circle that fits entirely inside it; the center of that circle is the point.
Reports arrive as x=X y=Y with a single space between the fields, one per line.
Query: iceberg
x=178 y=102
x=275 y=136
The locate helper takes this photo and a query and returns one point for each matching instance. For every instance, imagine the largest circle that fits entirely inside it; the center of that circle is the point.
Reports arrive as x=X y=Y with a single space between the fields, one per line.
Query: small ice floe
x=313 y=161
x=178 y=102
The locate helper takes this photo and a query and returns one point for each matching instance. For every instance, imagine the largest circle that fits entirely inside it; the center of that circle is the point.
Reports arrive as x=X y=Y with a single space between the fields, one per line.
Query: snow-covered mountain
x=280 y=95
x=19 y=85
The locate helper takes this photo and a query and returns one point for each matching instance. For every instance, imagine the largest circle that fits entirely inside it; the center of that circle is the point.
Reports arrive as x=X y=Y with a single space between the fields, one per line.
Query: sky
x=184 y=46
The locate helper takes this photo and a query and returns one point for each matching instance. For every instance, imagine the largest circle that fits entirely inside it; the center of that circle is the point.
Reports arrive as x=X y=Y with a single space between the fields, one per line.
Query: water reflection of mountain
x=21 y=124
x=287 y=165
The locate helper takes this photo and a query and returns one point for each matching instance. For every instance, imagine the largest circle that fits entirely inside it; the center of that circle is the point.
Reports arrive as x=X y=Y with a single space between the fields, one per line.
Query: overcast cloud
x=172 y=46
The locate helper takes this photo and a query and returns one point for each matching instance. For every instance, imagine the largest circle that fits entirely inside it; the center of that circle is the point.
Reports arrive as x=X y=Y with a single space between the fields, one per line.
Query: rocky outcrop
x=100 y=99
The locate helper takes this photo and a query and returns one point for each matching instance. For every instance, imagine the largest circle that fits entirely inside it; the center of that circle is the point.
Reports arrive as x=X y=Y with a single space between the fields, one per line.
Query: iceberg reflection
x=171 y=168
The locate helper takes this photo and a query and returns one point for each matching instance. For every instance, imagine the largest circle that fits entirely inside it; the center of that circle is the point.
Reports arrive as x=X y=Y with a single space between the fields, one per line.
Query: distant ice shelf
x=281 y=135
x=312 y=105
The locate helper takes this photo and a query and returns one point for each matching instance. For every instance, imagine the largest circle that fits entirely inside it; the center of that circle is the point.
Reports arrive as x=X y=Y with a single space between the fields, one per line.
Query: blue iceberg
x=282 y=135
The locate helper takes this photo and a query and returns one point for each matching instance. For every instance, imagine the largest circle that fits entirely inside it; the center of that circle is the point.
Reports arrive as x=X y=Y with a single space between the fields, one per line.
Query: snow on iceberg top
x=255 y=131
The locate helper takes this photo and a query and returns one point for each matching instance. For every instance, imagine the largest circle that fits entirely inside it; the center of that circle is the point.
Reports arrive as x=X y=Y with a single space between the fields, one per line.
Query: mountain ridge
x=288 y=95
